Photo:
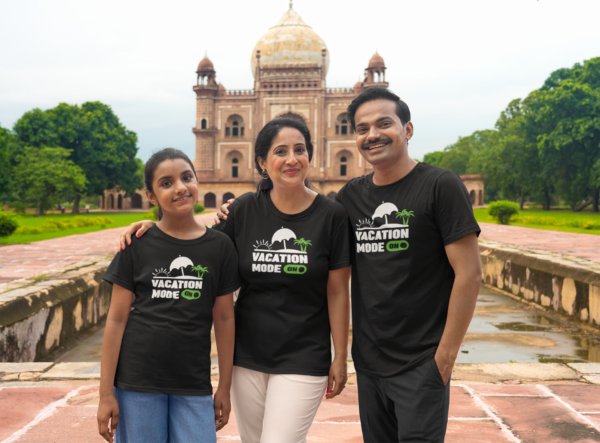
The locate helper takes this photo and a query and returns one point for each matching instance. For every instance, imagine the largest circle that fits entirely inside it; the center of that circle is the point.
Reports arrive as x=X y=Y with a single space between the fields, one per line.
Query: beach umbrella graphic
x=282 y=235
x=181 y=263
x=383 y=210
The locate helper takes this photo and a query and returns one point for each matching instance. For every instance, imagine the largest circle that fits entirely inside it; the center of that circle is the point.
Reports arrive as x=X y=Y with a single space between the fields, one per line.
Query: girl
x=168 y=288
x=293 y=246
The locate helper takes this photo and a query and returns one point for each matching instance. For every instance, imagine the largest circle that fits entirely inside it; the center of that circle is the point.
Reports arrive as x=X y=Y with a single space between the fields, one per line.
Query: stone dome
x=205 y=65
x=290 y=41
x=376 y=61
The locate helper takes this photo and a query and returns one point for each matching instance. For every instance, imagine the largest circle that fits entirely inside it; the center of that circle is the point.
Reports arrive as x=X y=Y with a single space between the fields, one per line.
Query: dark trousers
x=408 y=408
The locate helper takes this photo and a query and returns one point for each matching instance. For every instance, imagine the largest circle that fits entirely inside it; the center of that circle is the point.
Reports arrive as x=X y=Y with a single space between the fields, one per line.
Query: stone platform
x=537 y=402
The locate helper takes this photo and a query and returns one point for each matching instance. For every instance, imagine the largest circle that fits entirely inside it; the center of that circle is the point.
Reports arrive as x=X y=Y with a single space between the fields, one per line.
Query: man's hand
x=222 y=404
x=444 y=364
x=338 y=376
x=222 y=214
x=108 y=409
x=140 y=227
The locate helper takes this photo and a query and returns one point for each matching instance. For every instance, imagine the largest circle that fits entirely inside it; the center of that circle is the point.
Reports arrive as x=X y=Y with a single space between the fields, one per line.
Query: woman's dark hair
x=371 y=94
x=157 y=158
x=264 y=141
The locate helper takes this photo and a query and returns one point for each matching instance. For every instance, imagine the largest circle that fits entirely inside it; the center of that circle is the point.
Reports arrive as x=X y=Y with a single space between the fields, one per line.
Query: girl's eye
x=165 y=184
x=187 y=178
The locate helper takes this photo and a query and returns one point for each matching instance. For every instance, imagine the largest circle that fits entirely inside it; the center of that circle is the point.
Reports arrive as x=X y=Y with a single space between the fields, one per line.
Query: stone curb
x=474 y=372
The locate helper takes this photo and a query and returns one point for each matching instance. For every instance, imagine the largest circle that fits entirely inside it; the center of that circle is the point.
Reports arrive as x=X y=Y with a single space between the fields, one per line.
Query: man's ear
x=151 y=198
x=409 y=128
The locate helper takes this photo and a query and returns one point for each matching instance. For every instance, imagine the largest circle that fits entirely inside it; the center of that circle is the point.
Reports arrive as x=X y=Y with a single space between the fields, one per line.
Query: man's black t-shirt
x=166 y=343
x=401 y=276
x=282 y=320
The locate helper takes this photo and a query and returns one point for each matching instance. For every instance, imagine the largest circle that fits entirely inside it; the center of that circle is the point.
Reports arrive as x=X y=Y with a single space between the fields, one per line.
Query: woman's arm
x=118 y=313
x=140 y=227
x=224 y=321
x=338 y=303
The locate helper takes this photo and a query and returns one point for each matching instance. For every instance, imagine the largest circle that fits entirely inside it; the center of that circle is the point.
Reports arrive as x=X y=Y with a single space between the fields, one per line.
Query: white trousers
x=275 y=408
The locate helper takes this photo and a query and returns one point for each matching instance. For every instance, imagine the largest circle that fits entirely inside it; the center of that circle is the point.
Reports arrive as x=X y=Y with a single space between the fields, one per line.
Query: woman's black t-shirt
x=166 y=343
x=282 y=320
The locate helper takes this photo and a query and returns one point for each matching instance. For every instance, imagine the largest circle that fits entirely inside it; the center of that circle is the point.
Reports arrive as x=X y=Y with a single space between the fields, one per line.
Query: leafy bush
x=153 y=214
x=60 y=224
x=198 y=208
x=503 y=211
x=581 y=223
x=8 y=224
x=20 y=207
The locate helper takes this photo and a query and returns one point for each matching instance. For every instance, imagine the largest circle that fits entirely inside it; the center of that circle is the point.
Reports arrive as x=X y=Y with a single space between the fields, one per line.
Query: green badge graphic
x=397 y=245
x=190 y=294
x=294 y=269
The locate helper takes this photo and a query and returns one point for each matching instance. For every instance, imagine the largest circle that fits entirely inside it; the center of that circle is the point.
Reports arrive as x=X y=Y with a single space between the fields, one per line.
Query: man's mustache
x=381 y=139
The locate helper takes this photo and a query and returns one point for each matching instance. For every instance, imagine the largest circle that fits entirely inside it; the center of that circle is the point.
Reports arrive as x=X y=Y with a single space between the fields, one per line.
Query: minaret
x=206 y=90
x=375 y=73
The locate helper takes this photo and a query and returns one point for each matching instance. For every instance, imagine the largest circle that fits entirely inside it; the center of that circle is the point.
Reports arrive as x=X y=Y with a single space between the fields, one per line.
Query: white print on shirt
x=386 y=237
x=269 y=260
x=169 y=286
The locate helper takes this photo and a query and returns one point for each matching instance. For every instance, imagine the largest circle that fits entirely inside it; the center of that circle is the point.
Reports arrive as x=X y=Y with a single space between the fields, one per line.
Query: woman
x=294 y=261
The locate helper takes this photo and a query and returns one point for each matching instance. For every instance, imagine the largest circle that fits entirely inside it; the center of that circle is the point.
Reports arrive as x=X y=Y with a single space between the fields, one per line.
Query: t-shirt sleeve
x=340 y=244
x=229 y=276
x=121 y=269
x=452 y=208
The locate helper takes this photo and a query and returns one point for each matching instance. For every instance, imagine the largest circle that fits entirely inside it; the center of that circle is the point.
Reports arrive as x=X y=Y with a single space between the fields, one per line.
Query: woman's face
x=287 y=162
x=175 y=187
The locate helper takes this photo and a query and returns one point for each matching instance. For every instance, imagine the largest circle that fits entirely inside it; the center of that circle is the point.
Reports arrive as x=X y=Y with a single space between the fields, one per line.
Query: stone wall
x=37 y=317
x=567 y=285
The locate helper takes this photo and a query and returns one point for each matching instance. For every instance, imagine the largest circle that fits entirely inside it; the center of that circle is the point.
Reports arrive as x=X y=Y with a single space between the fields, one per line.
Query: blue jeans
x=161 y=418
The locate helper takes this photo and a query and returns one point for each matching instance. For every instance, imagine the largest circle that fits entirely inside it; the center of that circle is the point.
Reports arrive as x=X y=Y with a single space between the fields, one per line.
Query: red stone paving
x=25 y=261
x=580 y=245
x=528 y=413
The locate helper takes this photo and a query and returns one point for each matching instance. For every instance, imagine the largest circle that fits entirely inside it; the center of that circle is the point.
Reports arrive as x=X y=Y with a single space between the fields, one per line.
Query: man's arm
x=463 y=255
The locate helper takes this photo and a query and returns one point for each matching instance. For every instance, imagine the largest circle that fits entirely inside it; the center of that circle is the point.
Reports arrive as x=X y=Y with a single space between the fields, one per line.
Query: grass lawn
x=559 y=215
x=119 y=219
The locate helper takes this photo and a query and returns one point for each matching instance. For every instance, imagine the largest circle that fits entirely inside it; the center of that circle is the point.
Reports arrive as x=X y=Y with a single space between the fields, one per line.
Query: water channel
x=503 y=330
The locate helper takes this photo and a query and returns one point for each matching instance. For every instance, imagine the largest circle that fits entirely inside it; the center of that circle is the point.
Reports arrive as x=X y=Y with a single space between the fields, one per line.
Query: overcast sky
x=456 y=63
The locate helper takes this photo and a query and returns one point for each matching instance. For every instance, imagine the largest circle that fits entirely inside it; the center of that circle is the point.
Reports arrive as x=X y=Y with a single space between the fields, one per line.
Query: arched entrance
x=111 y=202
x=120 y=202
x=136 y=201
x=210 y=200
x=227 y=196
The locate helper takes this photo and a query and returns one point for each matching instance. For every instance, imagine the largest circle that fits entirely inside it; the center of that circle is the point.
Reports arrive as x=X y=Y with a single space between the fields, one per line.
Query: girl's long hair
x=264 y=141
x=157 y=158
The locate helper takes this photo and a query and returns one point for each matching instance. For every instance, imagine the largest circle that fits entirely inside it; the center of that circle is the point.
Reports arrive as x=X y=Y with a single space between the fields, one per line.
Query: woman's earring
x=264 y=174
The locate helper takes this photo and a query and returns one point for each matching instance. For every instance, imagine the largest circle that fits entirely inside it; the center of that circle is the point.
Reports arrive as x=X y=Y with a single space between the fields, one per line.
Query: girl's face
x=175 y=187
x=287 y=162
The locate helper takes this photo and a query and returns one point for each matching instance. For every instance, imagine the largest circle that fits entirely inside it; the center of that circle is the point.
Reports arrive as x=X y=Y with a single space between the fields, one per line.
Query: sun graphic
x=162 y=272
x=366 y=223
x=262 y=244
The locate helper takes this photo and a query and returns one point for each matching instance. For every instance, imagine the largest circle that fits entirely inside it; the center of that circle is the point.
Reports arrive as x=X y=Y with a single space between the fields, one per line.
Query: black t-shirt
x=282 y=321
x=166 y=343
x=401 y=276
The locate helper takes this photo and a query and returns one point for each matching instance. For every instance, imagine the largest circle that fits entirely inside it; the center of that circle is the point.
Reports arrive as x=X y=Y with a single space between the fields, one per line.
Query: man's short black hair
x=371 y=94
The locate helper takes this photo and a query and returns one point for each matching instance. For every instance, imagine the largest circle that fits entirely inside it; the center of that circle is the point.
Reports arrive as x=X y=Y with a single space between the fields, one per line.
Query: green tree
x=8 y=149
x=405 y=215
x=303 y=243
x=99 y=144
x=200 y=270
x=43 y=175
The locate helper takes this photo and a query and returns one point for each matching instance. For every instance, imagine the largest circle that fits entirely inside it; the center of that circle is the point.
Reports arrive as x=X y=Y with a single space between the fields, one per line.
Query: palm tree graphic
x=405 y=215
x=200 y=270
x=303 y=244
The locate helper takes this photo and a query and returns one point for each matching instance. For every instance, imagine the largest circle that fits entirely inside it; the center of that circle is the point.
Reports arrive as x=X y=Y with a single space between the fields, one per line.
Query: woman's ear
x=151 y=198
x=261 y=163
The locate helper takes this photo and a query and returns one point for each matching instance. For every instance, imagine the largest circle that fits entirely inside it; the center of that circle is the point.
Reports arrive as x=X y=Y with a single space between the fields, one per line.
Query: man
x=415 y=276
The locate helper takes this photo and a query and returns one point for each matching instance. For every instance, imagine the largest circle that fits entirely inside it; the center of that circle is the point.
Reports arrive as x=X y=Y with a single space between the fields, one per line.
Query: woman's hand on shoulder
x=137 y=228
x=222 y=214
x=108 y=409
x=338 y=376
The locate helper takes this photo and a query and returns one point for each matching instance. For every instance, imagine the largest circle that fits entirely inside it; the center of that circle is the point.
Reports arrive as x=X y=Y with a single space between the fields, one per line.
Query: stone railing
x=340 y=91
x=236 y=92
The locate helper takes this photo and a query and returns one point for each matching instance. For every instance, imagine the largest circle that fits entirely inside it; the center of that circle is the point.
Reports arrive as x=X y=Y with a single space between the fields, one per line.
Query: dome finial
x=291 y=4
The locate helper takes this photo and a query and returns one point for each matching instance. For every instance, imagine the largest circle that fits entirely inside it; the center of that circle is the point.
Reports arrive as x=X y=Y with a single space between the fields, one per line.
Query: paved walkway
x=25 y=261
x=544 y=413
x=586 y=246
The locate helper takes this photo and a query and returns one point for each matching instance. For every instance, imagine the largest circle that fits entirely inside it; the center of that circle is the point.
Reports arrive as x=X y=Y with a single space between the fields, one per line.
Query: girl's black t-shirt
x=282 y=320
x=166 y=343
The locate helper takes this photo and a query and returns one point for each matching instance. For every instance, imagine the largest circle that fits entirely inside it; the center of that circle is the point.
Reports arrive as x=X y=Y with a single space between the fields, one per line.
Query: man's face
x=380 y=136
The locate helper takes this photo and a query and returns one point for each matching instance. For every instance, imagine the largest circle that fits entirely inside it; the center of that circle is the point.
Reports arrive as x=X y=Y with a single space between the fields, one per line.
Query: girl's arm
x=224 y=321
x=118 y=313
x=338 y=302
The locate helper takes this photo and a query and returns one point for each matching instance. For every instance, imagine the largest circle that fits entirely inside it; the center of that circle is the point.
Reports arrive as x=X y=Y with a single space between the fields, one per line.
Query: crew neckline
x=372 y=183
x=172 y=239
x=285 y=216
